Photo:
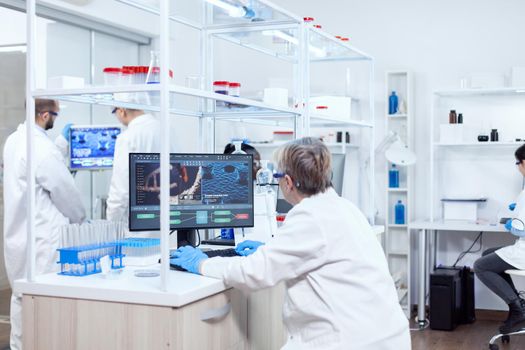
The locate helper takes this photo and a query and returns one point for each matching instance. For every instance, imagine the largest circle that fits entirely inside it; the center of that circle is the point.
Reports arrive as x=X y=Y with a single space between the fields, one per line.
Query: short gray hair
x=308 y=162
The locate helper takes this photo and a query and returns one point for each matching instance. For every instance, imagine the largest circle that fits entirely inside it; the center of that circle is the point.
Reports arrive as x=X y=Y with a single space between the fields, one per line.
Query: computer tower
x=445 y=299
x=468 y=302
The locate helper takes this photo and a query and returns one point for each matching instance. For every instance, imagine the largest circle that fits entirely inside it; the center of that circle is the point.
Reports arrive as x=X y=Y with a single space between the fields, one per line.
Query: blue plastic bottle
x=399 y=216
x=393 y=177
x=392 y=103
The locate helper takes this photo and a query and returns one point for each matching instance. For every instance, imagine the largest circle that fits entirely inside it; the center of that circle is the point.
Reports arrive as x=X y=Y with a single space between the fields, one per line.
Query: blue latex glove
x=512 y=206
x=246 y=248
x=188 y=258
x=508 y=225
x=65 y=131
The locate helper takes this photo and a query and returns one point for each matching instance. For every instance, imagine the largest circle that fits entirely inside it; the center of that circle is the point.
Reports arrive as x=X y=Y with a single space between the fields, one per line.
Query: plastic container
x=399 y=213
x=234 y=89
x=393 y=177
x=282 y=136
x=221 y=87
x=126 y=76
x=452 y=117
x=85 y=260
x=112 y=76
x=308 y=19
x=393 y=103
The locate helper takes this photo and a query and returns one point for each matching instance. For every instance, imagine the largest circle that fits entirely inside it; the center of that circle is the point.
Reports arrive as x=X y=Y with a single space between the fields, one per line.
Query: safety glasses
x=53 y=113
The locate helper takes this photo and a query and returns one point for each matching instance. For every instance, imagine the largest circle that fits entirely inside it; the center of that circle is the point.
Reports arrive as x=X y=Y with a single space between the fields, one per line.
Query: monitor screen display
x=92 y=147
x=206 y=191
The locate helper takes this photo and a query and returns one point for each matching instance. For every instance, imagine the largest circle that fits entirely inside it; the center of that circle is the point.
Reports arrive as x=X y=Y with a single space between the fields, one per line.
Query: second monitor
x=206 y=191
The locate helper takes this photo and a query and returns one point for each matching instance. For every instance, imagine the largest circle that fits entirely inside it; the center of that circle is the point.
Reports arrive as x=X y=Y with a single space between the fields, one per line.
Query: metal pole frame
x=30 y=130
x=164 y=141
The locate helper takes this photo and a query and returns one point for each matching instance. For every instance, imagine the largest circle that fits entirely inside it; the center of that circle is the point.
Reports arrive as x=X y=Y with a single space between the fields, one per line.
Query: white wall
x=439 y=41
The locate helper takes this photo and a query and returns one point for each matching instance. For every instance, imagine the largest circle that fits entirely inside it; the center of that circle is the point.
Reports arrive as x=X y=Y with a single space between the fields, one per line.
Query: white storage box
x=338 y=108
x=65 y=82
x=461 y=209
x=517 y=77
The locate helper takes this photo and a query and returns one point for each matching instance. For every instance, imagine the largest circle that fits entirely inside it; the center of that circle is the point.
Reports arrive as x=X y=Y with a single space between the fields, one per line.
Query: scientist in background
x=141 y=136
x=230 y=148
x=339 y=292
x=57 y=203
x=490 y=268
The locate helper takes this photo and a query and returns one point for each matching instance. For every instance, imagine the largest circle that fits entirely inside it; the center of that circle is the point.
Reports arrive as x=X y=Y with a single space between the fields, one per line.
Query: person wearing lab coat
x=339 y=292
x=141 y=136
x=57 y=203
x=491 y=267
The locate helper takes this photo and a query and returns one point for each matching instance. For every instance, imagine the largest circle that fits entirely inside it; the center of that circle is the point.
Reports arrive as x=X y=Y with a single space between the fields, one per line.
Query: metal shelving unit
x=397 y=236
x=304 y=45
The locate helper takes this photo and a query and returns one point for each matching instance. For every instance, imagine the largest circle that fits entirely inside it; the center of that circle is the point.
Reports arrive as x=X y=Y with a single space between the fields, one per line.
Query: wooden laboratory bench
x=90 y=312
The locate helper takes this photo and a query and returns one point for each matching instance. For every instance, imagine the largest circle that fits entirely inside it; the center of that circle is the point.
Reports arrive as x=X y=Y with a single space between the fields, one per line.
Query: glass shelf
x=271 y=30
x=320 y=121
x=222 y=12
x=509 y=91
x=184 y=101
x=480 y=144
x=325 y=47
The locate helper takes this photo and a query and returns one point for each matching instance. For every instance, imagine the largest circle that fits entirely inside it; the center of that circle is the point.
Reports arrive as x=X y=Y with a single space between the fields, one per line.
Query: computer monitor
x=92 y=147
x=338 y=172
x=206 y=191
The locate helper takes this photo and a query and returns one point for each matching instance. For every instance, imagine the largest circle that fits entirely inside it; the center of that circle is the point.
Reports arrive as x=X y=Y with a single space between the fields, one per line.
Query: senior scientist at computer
x=339 y=292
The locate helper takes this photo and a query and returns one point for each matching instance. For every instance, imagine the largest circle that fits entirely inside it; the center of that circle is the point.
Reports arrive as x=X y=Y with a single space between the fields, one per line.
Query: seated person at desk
x=491 y=267
x=340 y=294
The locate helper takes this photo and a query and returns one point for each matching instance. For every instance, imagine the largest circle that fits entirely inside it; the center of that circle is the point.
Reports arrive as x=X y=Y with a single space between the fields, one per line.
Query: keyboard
x=225 y=253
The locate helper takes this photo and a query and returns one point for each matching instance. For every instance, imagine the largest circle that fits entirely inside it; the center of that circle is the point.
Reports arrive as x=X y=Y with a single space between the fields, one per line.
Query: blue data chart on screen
x=92 y=147
x=206 y=191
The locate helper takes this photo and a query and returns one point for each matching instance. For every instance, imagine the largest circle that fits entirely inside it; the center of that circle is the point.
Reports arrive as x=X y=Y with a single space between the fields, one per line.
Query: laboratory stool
x=505 y=338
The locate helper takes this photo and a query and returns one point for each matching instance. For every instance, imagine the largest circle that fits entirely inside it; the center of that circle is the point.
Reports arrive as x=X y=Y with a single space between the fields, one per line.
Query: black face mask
x=49 y=124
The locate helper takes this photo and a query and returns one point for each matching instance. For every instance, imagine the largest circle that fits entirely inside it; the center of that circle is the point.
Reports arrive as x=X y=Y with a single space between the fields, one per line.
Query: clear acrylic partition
x=221 y=12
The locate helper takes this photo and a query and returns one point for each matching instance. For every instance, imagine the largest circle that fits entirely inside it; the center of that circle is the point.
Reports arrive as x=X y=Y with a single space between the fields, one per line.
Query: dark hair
x=520 y=153
x=308 y=162
x=230 y=148
x=43 y=105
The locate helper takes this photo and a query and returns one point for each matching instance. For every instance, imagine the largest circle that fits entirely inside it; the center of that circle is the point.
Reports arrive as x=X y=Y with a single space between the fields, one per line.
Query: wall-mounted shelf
x=479 y=144
x=507 y=91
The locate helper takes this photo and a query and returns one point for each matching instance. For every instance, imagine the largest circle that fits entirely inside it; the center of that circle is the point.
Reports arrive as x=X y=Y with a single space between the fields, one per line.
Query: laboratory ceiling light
x=232 y=10
x=13 y=48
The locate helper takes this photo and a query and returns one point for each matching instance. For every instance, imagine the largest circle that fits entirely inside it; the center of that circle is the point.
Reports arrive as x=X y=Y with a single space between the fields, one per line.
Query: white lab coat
x=515 y=254
x=339 y=292
x=141 y=136
x=57 y=202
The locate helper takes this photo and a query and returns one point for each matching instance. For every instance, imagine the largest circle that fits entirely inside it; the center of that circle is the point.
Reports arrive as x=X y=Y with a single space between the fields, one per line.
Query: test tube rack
x=85 y=260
